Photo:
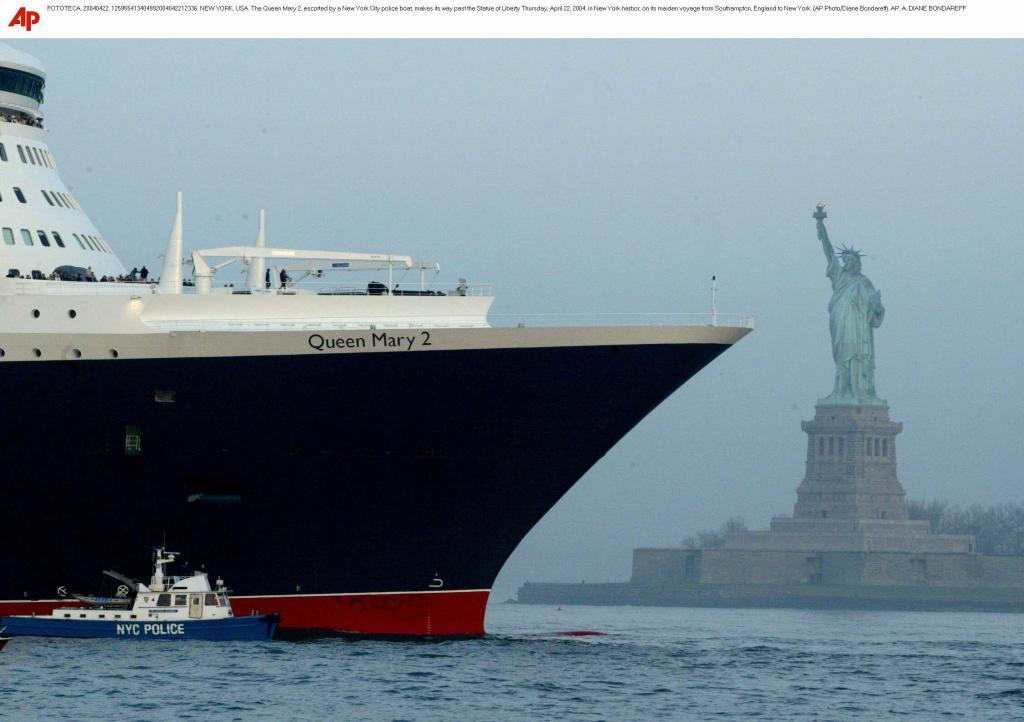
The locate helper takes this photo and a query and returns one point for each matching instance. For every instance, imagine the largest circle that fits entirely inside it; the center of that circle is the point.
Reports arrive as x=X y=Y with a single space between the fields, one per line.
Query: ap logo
x=25 y=18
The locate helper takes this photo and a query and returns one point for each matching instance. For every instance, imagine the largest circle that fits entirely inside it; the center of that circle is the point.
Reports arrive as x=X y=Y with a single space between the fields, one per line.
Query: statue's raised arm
x=826 y=244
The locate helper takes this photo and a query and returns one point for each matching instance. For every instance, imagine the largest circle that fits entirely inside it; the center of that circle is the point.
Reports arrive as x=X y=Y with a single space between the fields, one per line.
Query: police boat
x=169 y=607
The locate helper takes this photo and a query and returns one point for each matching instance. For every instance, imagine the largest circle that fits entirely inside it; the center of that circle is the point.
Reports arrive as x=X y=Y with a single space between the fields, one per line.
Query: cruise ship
x=360 y=456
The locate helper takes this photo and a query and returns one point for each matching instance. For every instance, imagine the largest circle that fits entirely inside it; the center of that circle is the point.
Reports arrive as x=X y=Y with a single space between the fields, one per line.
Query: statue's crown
x=850 y=251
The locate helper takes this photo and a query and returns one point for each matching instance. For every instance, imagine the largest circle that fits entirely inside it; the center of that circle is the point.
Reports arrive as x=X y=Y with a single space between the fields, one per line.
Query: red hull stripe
x=445 y=613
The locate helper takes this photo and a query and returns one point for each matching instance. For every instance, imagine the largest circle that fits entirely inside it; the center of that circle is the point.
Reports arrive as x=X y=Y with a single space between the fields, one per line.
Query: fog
x=618 y=176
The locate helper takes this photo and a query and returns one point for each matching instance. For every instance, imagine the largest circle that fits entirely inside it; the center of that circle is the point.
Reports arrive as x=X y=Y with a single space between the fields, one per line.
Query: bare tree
x=715 y=539
x=997 y=529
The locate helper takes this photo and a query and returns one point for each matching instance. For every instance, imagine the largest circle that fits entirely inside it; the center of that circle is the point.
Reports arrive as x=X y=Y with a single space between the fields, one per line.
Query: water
x=654 y=663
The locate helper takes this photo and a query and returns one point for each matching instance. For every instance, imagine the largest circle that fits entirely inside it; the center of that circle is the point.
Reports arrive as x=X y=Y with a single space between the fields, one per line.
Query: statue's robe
x=854 y=312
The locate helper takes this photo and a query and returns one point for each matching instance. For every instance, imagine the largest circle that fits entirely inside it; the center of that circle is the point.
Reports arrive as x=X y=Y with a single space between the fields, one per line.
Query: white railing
x=730 y=320
x=413 y=288
x=29 y=287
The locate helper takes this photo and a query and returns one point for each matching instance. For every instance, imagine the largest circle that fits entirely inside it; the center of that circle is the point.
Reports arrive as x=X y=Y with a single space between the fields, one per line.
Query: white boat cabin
x=166 y=598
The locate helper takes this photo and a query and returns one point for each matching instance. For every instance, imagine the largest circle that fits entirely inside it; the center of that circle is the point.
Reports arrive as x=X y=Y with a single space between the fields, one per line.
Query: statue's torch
x=820 y=214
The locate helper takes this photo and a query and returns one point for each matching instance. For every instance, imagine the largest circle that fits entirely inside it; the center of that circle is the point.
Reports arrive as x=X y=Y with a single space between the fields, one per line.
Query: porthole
x=35 y=313
x=36 y=352
x=72 y=313
x=76 y=353
x=113 y=353
x=2 y=353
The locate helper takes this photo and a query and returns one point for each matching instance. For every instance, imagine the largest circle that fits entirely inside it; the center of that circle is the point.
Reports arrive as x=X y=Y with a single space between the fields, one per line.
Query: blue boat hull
x=233 y=629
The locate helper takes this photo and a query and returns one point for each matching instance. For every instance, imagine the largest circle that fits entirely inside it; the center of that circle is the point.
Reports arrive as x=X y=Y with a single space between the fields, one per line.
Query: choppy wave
x=673 y=664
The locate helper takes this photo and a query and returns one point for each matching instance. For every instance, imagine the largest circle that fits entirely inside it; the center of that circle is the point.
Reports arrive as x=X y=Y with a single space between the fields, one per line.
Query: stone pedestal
x=850 y=498
x=851 y=466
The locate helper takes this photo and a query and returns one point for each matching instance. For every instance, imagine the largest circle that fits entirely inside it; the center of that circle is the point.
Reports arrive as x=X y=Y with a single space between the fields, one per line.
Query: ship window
x=31 y=158
x=67 y=616
x=79 y=240
x=19 y=194
x=8 y=236
x=81 y=616
x=164 y=600
x=100 y=243
x=180 y=600
x=89 y=242
x=58 y=239
x=27 y=237
x=3 y=152
x=211 y=600
x=22 y=83
x=67 y=201
x=21 y=152
x=42 y=238
x=47 y=197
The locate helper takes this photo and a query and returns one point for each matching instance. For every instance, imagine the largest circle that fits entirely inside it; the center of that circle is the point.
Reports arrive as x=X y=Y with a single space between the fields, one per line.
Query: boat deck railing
x=729 y=320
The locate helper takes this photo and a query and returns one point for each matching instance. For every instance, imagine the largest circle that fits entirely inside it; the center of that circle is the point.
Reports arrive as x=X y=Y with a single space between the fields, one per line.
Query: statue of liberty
x=854 y=313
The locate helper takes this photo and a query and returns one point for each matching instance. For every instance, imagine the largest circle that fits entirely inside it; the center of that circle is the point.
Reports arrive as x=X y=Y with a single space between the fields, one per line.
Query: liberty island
x=850 y=541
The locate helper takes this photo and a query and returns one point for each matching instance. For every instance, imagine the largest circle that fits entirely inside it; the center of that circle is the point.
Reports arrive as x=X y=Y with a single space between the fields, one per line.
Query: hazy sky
x=596 y=176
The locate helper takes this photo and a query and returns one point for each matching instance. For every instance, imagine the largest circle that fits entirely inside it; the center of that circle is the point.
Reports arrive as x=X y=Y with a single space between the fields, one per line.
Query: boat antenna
x=170 y=277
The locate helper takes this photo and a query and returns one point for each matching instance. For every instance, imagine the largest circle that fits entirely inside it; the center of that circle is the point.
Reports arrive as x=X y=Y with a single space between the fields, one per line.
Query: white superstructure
x=60 y=275
x=42 y=225
x=65 y=295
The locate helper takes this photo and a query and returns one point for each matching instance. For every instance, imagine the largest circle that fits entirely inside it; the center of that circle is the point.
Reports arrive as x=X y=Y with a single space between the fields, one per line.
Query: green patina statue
x=854 y=313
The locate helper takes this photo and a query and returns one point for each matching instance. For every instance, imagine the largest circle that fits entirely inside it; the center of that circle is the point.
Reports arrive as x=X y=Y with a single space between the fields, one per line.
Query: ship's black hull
x=341 y=474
